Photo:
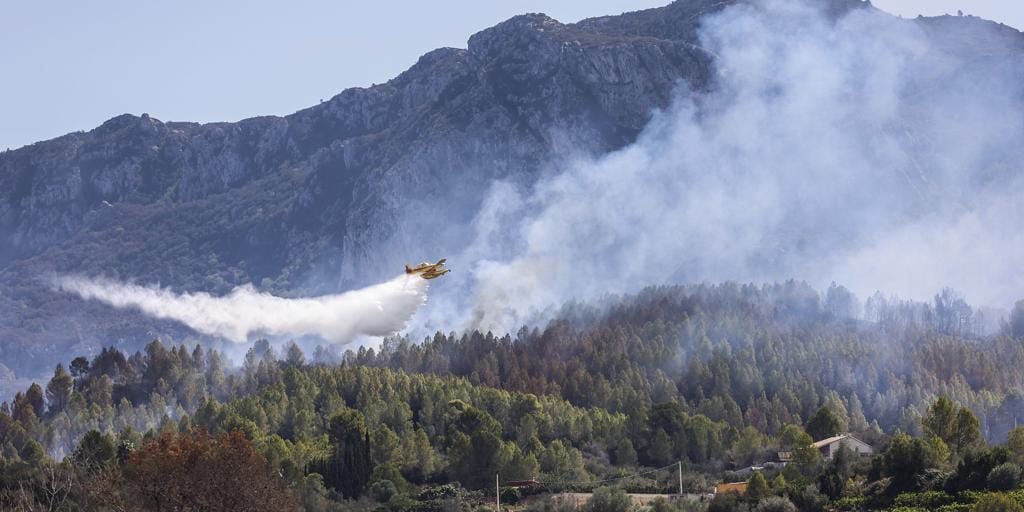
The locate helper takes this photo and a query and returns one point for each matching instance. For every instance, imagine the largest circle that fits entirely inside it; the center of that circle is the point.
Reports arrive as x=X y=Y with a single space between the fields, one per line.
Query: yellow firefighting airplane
x=428 y=270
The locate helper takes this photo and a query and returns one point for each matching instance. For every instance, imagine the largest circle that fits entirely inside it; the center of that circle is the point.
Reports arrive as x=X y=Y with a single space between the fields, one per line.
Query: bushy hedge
x=930 y=500
x=848 y=504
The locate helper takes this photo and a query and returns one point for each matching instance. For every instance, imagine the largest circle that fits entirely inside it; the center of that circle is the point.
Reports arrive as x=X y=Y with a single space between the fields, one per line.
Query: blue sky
x=71 y=65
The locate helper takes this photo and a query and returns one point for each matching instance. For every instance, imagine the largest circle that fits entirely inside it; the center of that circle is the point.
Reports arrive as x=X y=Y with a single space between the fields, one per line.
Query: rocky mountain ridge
x=346 y=188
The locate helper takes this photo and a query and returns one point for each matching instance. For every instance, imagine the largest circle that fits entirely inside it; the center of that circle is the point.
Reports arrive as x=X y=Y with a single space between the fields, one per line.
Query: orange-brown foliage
x=197 y=471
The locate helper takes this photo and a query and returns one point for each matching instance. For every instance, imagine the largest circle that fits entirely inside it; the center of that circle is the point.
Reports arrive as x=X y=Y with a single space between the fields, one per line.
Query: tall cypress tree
x=349 y=467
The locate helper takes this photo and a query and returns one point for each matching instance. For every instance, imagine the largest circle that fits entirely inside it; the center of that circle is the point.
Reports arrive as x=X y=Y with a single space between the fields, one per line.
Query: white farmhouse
x=828 y=447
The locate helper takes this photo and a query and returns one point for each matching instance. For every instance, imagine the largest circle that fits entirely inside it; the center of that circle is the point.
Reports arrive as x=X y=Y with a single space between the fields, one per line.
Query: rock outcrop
x=340 y=189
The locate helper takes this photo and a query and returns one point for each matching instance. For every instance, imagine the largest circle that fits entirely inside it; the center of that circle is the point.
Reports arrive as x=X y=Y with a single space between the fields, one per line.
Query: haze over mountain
x=704 y=140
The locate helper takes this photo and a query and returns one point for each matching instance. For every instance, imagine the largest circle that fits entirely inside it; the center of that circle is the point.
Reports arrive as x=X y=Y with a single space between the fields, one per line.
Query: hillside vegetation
x=717 y=377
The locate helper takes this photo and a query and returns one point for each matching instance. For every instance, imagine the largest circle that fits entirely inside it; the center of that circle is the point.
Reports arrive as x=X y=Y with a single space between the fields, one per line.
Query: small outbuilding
x=736 y=487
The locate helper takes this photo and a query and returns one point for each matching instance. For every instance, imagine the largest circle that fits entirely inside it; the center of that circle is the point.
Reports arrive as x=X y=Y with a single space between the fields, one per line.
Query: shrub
x=549 y=504
x=383 y=490
x=848 y=504
x=725 y=502
x=1004 y=477
x=808 y=498
x=997 y=503
x=200 y=471
x=440 y=492
x=510 y=496
x=955 y=507
x=775 y=504
x=608 y=499
x=930 y=500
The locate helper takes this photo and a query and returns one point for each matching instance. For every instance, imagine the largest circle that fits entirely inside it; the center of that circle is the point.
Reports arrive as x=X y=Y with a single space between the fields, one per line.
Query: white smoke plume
x=827 y=150
x=862 y=149
x=377 y=310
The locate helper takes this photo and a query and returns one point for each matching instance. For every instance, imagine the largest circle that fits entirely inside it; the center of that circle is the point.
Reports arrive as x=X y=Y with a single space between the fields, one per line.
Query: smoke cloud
x=854 y=150
x=377 y=310
x=864 y=150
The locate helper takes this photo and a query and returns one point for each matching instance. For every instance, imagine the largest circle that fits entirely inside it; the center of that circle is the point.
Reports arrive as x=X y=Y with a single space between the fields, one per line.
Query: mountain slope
x=344 y=192
x=211 y=206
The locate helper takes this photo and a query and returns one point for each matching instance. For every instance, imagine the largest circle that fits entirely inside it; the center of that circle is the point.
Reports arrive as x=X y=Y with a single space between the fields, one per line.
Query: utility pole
x=497 y=492
x=680 y=478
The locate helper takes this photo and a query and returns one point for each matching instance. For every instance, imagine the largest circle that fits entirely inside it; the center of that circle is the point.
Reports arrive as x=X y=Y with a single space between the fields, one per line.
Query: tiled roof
x=836 y=439
x=833 y=439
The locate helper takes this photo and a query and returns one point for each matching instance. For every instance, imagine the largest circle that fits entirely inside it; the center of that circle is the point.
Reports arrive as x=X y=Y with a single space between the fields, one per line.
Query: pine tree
x=661 y=449
x=757 y=486
x=823 y=424
x=58 y=391
x=294 y=355
x=940 y=421
x=967 y=431
x=34 y=395
x=625 y=454
x=1015 y=441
